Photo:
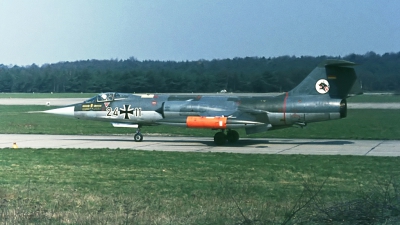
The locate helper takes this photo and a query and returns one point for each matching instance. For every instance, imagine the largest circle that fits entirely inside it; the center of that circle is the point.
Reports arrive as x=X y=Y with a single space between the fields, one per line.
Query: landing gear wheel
x=232 y=136
x=138 y=137
x=219 y=138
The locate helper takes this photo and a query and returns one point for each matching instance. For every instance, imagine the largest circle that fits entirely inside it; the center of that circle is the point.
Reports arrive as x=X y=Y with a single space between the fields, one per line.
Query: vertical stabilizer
x=333 y=78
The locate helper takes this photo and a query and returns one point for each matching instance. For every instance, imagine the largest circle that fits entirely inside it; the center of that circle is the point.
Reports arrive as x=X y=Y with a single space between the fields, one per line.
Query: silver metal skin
x=65 y=111
x=321 y=96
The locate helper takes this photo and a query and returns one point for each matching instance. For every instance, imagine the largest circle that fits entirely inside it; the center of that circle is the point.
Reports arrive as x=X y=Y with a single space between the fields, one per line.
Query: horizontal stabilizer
x=335 y=62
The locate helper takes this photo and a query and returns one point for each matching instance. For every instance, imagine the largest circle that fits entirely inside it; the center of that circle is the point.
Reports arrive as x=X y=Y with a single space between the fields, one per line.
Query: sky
x=50 y=31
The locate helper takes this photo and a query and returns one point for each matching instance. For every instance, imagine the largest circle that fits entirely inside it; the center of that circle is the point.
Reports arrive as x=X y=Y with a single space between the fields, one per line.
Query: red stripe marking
x=284 y=107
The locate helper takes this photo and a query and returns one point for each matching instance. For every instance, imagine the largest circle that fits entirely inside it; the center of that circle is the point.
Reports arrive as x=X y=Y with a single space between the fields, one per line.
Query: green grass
x=104 y=186
x=47 y=95
x=125 y=187
x=366 y=98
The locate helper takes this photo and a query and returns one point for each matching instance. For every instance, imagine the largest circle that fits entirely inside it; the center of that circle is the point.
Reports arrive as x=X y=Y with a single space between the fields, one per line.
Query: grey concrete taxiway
x=197 y=144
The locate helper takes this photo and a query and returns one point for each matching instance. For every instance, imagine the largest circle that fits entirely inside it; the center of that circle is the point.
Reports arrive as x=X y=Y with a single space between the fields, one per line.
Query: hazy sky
x=50 y=31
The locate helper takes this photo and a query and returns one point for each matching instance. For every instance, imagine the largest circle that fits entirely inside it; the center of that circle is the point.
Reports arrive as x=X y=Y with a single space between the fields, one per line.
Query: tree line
x=249 y=74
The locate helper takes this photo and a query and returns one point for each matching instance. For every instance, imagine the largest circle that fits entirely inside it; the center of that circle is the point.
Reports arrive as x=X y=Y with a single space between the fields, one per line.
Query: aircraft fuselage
x=234 y=111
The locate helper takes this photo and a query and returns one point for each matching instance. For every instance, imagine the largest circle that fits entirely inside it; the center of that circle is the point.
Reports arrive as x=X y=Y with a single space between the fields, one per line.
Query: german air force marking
x=127 y=110
x=322 y=86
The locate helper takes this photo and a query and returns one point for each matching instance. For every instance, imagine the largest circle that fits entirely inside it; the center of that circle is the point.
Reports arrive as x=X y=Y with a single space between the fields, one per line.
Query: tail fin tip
x=336 y=62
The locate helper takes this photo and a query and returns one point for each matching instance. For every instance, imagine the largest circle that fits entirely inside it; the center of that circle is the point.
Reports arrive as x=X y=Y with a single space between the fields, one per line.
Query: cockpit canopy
x=107 y=97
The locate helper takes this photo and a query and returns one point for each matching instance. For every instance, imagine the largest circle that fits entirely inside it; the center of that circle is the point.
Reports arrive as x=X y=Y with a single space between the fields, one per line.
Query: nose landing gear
x=138 y=136
x=231 y=136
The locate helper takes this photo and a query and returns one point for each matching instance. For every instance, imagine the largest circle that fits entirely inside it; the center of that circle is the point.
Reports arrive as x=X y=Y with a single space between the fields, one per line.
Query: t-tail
x=333 y=78
x=321 y=96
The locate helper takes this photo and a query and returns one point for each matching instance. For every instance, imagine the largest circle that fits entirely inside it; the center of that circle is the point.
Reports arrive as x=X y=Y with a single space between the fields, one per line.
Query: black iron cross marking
x=127 y=110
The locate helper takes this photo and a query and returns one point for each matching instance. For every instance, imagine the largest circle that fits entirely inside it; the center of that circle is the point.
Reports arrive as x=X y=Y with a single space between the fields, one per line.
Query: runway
x=201 y=144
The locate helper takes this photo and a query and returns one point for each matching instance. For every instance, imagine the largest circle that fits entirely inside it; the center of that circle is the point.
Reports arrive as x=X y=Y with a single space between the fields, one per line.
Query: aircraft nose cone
x=65 y=111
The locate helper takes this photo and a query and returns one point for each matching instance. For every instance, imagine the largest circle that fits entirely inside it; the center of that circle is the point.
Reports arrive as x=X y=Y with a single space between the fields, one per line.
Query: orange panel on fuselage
x=206 y=122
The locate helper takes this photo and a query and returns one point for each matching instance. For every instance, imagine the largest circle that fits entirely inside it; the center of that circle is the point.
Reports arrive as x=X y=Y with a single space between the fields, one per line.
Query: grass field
x=82 y=186
x=103 y=186
x=375 y=98
x=47 y=95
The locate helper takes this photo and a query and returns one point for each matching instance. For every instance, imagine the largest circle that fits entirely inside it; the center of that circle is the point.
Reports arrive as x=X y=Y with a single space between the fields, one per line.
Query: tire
x=219 y=138
x=138 y=137
x=232 y=136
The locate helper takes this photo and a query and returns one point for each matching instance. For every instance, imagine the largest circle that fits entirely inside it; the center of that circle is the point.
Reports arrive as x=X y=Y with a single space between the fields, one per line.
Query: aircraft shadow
x=251 y=142
x=241 y=143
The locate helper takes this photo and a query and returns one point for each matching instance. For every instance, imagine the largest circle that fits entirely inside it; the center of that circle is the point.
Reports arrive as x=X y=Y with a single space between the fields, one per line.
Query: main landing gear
x=220 y=137
x=138 y=136
x=231 y=136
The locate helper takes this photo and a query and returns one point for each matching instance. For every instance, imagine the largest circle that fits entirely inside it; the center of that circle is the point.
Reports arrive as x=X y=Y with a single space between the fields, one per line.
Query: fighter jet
x=321 y=96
